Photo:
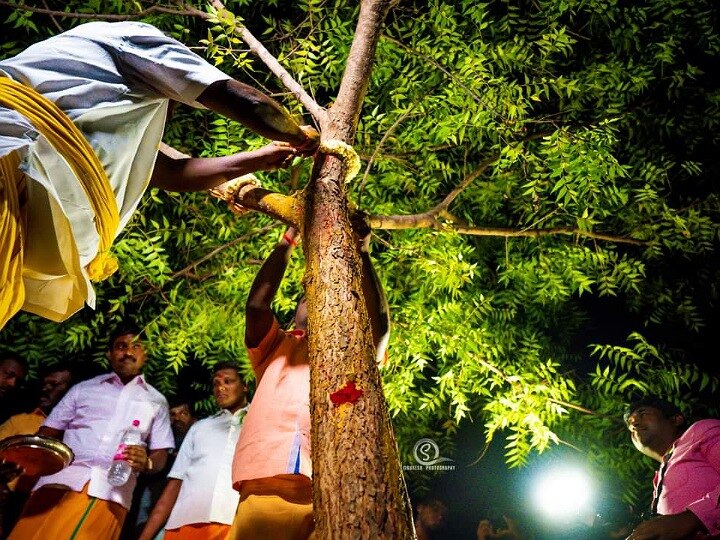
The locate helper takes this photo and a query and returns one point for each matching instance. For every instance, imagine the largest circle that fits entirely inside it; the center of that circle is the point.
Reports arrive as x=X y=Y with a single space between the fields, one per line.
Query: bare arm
x=141 y=461
x=256 y=111
x=375 y=300
x=668 y=527
x=159 y=460
x=161 y=511
x=199 y=174
x=258 y=315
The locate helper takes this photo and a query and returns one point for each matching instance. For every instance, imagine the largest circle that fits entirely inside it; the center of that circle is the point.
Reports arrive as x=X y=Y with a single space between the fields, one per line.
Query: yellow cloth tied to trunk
x=67 y=139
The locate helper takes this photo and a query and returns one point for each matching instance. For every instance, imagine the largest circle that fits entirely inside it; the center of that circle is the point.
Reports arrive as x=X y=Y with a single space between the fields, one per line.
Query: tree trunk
x=358 y=488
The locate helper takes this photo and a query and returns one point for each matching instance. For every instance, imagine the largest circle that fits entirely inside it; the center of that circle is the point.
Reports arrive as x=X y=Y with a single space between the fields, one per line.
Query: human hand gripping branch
x=258 y=112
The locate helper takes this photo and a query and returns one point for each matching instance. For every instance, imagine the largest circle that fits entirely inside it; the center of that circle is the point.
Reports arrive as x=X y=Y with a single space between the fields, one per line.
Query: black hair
x=228 y=365
x=7 y=355
x=181 y=399
x=667 y=408
x=432 y=501
x=59 y=366
x=122 y=329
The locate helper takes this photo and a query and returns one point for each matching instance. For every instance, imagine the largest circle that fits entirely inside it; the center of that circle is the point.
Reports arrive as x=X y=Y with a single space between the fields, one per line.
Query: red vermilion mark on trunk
x=347 y=394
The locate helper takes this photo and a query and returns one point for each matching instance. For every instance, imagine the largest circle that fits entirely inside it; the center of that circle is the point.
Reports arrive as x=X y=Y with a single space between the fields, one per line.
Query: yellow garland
x=67 y=139
x=12 y=291
x=346 y=153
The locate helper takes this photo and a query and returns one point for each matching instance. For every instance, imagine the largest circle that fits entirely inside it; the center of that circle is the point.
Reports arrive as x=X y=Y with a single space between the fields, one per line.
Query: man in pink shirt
x=79 y=502
x=272 y=466
x=686 y=487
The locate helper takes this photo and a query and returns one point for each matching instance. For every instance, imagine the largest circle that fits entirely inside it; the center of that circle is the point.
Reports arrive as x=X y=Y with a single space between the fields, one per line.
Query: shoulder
x=202 y=423
x=702 y=429
x=105 y=30
x=154 y=395
x=89 y=383
x=95 y=380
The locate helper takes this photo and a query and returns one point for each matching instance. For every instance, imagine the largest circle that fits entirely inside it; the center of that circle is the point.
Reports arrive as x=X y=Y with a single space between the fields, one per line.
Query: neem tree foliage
x=522 y=161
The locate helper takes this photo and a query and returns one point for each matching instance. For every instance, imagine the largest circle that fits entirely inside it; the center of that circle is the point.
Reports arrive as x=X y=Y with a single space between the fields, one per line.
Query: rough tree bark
x=358 y=488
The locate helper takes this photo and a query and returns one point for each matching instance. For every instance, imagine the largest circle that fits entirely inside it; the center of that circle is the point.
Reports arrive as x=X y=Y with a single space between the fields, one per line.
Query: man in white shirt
x=78 y=501
x=199 y=500
x=70 y=185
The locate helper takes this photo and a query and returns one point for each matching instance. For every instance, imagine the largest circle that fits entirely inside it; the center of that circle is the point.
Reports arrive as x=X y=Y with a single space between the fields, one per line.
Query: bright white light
x=563 y=493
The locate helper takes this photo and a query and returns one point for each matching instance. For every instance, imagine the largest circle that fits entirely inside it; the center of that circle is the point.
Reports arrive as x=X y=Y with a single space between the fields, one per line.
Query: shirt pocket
x=144 y=412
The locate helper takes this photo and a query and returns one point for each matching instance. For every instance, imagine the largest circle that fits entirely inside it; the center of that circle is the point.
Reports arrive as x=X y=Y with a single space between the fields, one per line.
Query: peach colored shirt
x=275 y=438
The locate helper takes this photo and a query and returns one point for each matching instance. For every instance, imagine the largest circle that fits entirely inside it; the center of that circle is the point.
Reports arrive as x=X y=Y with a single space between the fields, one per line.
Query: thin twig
x=102 y=16
x=387 y=134
x=448 y=73
x=255 y=46
x=52 y=18
x=220 y=249
x=469 y=179
x=186 y=271
x=319 y=113
x=379 y=145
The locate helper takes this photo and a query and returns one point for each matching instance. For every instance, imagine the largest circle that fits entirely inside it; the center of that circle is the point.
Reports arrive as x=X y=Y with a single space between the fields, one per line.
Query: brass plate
x=38 y=455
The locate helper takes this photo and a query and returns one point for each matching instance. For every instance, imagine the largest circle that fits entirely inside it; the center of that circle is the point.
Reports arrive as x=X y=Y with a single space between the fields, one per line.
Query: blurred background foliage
x=596 y=117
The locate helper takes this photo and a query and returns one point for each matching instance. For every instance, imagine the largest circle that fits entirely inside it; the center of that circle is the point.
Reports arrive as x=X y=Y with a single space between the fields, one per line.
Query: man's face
x=54 y=386
x=229 y=389
x=12 y=374
x=181 y=419
x=651 y=431
x=127 y=357
x=432 y=514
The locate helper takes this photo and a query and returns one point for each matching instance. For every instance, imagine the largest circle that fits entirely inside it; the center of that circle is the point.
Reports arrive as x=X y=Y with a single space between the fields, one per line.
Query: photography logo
x=427 y=455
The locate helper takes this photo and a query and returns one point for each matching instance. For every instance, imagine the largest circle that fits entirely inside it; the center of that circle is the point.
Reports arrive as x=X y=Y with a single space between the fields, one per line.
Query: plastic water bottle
x=120 y=470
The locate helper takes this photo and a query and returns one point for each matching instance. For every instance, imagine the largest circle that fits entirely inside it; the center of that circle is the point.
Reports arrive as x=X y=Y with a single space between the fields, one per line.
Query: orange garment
x=275 y=438
x=22 y=424
x=198 y=531
x=261 y=517
x=63 y=514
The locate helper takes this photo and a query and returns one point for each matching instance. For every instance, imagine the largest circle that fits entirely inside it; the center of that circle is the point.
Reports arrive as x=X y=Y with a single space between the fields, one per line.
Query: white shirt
x=94 y=414
x=114 y=81
x=204 y=466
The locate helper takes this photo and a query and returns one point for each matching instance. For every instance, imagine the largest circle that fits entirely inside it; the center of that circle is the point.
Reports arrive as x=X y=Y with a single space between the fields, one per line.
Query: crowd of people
x=79 y=138
x=189 y=480
x=244 y=472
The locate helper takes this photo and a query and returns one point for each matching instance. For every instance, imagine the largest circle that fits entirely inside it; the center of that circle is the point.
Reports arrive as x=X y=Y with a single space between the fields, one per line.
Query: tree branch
x=319 y=113
x=186 y=272
x=469 y=179
x=430 y=220
x=440 y=218
x=103 y=16
x=356 y=77
x=285 y=208
x=52 y=18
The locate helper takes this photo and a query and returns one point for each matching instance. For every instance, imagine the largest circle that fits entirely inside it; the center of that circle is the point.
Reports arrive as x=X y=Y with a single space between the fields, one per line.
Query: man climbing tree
x=78 y=145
